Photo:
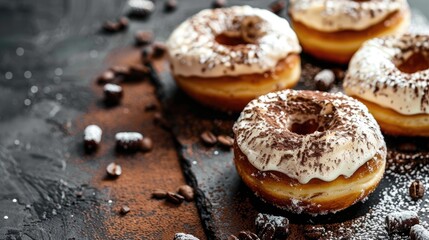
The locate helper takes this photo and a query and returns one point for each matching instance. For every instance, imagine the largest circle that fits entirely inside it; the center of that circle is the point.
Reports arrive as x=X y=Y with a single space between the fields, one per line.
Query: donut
x=391 y=77
x=334 y=30
x=225 y=57
x=308 y=151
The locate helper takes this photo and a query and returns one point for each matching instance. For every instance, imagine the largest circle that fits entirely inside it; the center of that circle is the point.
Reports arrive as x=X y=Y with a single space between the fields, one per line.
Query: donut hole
x=306 y=127
x=316 y=118
x=416 y=62
x=230 y=40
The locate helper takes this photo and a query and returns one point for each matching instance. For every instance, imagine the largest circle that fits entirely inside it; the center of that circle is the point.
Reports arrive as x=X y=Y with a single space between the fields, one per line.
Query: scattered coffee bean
x=174 y=198
x=150 y=107
x=187 y=192
x=123 y=23
x=208 y=138
x=418 y=232
x=112 y=94
x=159 y=49
x=114 y=170
x=277 y=6
x=117 y=26
x=399 y=222
x=339 y=74
x=159 y=194
x=183 y=236
x=170 y=5
x=218 y=3
x=144 y=38
x=225 y=141
x=314 y=232
x=407 y=147
x=107 y=77
x=92 y=137
x=140 y=8
x=124 y=210
x=324 y=80
x=128 y=141
x=417 y=190
x=147 y=144
x=247 y=235
x=233 y=237
x=280 y=224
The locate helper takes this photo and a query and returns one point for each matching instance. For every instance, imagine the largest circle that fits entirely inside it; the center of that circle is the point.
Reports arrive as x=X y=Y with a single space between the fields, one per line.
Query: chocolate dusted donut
x=333 y=30
x=225 y=57
x=391 y=77
x=308 y=151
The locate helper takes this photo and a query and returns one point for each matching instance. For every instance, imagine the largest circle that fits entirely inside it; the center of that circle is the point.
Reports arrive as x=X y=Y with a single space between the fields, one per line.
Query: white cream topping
x=92 y=133
x=337 y=15
x=348 y=135
x=112 y=87
x=374 y=76
x=193 y=50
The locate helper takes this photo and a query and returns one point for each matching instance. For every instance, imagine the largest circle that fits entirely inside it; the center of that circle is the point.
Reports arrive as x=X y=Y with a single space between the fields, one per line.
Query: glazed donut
x=308 y=151
x=334 y=30
x=226 y=57
x=391 y=77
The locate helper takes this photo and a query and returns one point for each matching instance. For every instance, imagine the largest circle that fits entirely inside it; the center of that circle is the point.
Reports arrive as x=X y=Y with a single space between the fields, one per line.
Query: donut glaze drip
x=337 y=15
x=194 y=51
x=345 y=138
x=374 y=76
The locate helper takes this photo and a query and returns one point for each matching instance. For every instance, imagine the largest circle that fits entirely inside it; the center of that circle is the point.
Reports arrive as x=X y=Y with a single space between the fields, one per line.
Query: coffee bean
x=398 y=222
x=277 y=6
x=107 y=77
x=92 y=137
x=233 y=237
x=112 y=94
x=417 y=190
x=123 y=23
x=314 y=232
x=218 y=3
x=111 y=27
x=225 y=141
x=144 y=38
x=280 y=224
x=324 y=80
x=159 y=194
x=174 y=198
x=268 y=232
x=140 y=8
x=147 y=144
x=418 y=232
x=128 y=141
x=114 y=170
x=159 y=49
x=208 y=138
x=187 y=192
x=407 y=147
x=247 y=235
x=170 y=5
x=183 y=236
x=124 y=210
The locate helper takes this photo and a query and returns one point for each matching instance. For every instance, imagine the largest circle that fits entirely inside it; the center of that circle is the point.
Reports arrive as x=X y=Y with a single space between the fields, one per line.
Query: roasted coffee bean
x=159 y=194
x=247 y=235
x=280 y=224
x=92 y=137
x=123 y=23
x=418 y=232
x=268 y=232
x=218 y=3
x=277 y=6
x=187 y=192
x=233 y=237
x=407 y=147
x=144 y=38
x=140 y=8
x=147 y=144
x=114 y=170
x=208 y=138
x=174 y=198
x=112 y=94
x=417 y=190
x=324 y=80
x=107 y=77
x=128 y=141
x=225 y=141
x=399 y=222
x=124 y=210
x=159 y=49
x=170 y=5
x=111 y=27
x=313 y=232
x=183 y=236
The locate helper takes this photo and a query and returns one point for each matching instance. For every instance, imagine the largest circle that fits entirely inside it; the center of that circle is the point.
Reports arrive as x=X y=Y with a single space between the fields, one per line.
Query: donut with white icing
x=226 y=57
x=333 y=30
x=391 y=76
x=308 y=151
